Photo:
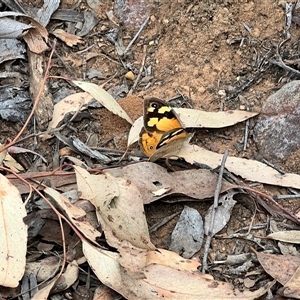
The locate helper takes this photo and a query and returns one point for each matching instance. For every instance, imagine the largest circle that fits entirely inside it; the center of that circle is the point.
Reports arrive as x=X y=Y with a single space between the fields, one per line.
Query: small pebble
x=152 y=18
x=201 y=89
x=222 y=93
x=129 y=75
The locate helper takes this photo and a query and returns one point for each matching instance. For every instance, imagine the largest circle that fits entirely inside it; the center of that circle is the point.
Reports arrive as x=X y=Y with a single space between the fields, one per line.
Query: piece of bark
x=44 y=109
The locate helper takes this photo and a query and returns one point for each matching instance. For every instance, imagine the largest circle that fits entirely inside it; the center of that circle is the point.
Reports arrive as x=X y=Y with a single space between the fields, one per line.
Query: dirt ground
x=203 y=51
x=200 y=50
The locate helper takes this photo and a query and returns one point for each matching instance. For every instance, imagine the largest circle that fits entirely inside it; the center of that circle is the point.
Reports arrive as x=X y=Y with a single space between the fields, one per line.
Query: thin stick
x=64 y=63
x=140 y=72
x=136 y=36
x=163 y=222
x=246 y=135
x=280 y=62
x=286 y=197
x=212 y=220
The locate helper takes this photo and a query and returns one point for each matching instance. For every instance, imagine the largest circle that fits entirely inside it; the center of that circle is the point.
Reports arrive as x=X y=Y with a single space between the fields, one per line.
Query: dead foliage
x=84 y=213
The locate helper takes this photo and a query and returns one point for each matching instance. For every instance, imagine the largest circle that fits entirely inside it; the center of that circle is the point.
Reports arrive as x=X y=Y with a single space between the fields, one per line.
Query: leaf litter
x=14 y=234
x=123 y=220
x=118 y=246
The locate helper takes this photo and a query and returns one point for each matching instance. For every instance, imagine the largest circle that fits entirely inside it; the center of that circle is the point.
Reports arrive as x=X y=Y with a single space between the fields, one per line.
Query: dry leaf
x=43 y=293
x=69 y=39
x=13 y=234
x=43 y=269
x=148 y=177
x=76 y=161
x=12 y=29
x=2 y=154
x=104 y=98
x=222 y=214
x=249 y=169
x=193 y=118
x=187 y=236
x=119 y=206
x=71 y=103
x=12 y=164
x=292 y=287
x=9 y=162
x=280 y=267
x=75 y=214
x=84 y=149
x=134 y=133
x=103 y=292
x=18 y=150
x=105 y=263
x=289 y=236
x=69 y=276
x=160 y=281
x=36 y=37
x=151 y=178
x=144 y=258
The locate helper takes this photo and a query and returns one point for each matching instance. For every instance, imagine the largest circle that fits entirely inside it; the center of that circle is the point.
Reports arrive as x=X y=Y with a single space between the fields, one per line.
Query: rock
x=132 y=13
x=277 y=132
x=130 y=76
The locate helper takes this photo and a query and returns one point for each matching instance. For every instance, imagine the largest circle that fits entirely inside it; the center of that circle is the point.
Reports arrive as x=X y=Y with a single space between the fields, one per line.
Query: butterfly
x=163 y=131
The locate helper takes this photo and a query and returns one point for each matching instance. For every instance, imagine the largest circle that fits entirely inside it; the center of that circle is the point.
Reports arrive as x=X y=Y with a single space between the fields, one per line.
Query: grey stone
x=277 y=132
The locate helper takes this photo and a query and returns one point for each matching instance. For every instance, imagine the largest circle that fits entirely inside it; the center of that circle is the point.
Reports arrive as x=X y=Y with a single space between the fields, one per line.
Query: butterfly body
x=161 y=127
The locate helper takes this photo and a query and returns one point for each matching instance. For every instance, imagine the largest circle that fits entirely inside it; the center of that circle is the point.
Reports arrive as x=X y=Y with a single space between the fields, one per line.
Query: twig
x=136 y=36
x=286 y=197
x=288 y=19
x=246 y=135
x=254 y=227
x=273 y=166
x=252 y=221
x=140 y=72
x=85 y=50
x=35 y=142
x=84 y=67
x=64 y=63
x=108 y=57
x=264 y=199
x=280 y=63
x=212 y=220
x=162 y=222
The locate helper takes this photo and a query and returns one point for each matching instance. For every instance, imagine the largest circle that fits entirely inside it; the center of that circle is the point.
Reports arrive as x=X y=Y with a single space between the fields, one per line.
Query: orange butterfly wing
x=161 y=126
